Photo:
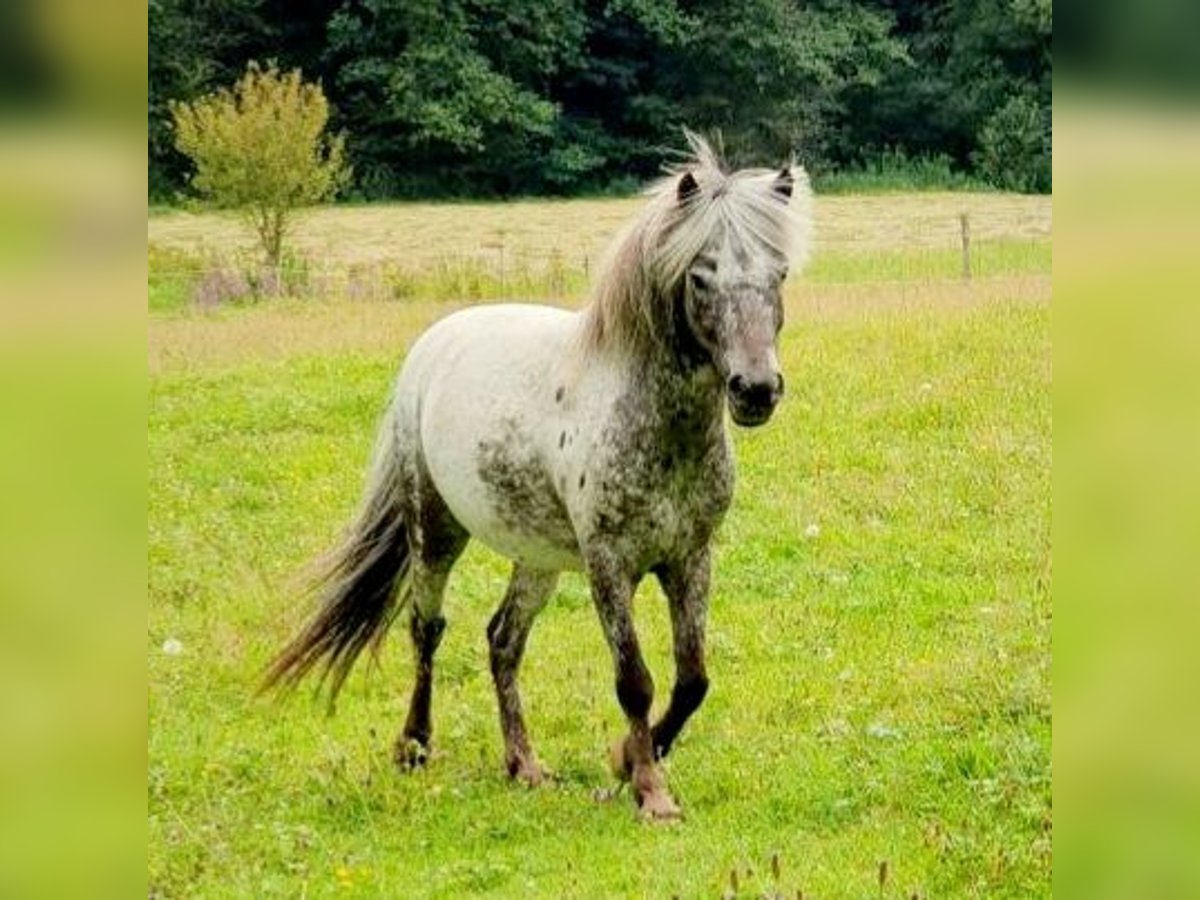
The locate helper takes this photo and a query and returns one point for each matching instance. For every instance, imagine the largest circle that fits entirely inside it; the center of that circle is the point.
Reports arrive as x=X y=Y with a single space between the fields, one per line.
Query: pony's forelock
x=649 y=258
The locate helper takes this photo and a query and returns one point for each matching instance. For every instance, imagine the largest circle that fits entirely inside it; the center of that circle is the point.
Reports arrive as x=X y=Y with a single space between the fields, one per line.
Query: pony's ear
x=783 y=183
x=687 y=187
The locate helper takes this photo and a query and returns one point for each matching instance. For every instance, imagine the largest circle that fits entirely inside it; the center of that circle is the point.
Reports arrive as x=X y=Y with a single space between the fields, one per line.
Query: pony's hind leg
x=527 y=593
x=436 y=541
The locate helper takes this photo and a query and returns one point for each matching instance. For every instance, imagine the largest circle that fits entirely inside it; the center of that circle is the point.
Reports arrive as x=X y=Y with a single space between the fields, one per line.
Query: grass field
x=879 y=631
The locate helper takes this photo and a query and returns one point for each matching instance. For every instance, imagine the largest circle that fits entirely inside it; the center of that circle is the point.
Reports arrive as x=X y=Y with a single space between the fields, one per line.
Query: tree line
x=521 y=97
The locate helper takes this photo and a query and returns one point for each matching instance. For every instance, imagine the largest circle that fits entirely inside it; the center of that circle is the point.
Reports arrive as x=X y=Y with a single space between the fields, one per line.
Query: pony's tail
x=361 y=585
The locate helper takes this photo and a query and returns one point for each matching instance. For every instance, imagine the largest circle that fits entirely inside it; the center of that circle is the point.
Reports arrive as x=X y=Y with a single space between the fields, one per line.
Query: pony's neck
x=673 y=376
x=680 y=381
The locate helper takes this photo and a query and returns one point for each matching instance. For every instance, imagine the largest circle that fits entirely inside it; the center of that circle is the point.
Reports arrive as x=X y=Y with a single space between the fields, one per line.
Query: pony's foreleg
x=633 y=758
x=527 y=593
x=686 y=585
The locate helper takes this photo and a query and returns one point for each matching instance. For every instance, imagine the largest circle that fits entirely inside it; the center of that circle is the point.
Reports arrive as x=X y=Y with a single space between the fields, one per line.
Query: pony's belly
x=531 y=550
x=520 y=539
x=514 y=512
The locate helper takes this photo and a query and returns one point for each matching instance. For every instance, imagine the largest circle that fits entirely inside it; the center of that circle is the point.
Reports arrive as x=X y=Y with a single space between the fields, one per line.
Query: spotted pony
x=591 y=440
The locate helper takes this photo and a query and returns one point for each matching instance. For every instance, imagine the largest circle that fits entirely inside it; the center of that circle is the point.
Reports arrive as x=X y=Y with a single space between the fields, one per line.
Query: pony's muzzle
x=751 y=401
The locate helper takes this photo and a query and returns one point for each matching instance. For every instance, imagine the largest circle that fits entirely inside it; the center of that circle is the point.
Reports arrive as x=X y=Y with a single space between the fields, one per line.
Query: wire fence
x=496 y=270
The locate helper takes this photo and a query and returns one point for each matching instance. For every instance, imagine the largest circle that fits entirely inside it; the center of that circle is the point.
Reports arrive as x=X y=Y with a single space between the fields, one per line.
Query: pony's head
x=735 y=265
x=704 y=268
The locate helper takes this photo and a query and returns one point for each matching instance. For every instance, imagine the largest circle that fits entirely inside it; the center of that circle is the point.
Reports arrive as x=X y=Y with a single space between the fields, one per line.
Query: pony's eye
x=783 y=276
x=701 y=281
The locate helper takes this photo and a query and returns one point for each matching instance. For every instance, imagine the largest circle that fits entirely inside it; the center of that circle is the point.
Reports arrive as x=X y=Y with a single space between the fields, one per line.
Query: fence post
x=965 y=224
x=503 y=289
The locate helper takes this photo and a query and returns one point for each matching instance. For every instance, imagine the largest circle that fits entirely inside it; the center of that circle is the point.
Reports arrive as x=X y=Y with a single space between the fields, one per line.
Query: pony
x=591 y=440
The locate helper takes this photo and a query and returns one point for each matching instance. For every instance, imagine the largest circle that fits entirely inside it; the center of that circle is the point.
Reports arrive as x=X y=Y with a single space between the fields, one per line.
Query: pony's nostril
x=758 y=394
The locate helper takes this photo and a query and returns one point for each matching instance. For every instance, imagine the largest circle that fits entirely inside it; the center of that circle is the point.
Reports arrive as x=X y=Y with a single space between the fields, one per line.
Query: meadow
x=879 y=635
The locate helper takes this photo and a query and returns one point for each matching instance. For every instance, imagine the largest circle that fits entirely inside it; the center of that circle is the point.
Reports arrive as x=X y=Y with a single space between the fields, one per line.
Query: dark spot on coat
x=582 y=480
x=665 y=474
x=522 y=493
x=562 y=440
x=558 y=395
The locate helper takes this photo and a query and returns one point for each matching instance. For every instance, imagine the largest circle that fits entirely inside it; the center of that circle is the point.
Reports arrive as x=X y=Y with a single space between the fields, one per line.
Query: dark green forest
x=530 y=97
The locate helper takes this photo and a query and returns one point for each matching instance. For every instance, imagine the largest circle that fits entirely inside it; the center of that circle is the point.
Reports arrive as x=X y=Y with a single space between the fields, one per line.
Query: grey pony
x=591 y=441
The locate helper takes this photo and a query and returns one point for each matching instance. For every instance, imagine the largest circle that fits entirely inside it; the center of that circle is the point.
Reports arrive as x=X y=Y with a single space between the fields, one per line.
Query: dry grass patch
x=421 y=235
x=893 y=221
x=418 y=235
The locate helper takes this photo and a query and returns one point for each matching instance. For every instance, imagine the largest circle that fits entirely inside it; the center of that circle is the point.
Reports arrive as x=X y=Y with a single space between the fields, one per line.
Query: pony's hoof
x=410 y=754
x=528 y=772
x=658 y=806
x=618 y=760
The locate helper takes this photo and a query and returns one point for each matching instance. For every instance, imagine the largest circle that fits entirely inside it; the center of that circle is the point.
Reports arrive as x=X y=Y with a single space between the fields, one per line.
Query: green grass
x=988 y=258
x=881 y=683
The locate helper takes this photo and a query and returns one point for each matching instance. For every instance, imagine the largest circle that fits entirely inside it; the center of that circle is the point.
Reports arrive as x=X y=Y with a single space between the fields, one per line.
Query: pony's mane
x=643 y=266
